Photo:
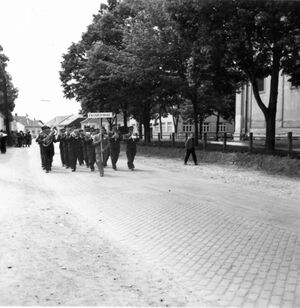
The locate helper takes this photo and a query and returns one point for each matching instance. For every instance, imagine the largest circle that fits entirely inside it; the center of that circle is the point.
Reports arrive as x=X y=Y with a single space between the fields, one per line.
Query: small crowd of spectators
x=21 y=139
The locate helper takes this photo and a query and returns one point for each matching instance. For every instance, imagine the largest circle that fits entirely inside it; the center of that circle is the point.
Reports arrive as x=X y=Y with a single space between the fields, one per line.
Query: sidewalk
x=218 y=242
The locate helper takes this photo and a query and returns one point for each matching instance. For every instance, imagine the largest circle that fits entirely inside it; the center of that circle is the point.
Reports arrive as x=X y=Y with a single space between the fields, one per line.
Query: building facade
x=249 y=117
x=25 y=124
x=209 y=127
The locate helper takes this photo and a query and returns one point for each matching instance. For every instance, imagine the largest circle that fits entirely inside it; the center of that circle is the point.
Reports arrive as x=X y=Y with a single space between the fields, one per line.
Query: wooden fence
x=285 y=145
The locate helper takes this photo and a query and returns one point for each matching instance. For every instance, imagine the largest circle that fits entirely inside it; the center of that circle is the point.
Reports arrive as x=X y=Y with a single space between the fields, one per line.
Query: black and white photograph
x=150 y=153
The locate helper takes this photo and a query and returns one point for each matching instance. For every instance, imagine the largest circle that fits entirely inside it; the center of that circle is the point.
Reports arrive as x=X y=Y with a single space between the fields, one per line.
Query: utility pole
x=6 y=109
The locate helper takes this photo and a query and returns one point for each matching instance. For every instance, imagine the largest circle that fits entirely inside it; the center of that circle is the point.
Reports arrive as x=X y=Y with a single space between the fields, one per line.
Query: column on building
x=239 y=114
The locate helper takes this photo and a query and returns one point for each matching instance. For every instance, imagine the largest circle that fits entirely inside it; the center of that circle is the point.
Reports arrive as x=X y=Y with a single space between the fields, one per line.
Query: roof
x=72 y=119
x=57 y=120
x=27 y=121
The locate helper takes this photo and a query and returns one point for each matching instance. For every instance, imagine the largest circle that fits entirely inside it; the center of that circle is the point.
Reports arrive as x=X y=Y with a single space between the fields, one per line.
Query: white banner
x=99 y=115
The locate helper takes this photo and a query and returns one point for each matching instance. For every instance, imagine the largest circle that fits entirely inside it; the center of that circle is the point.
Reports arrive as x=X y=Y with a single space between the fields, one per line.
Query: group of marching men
x=86 y=147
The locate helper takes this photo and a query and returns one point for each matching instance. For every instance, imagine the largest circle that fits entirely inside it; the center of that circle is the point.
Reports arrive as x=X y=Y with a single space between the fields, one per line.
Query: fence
x=284 y=145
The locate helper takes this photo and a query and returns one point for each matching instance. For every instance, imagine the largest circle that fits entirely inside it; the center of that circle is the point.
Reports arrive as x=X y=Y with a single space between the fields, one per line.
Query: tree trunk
x=125 y=119
x=201 y=119
x=217 y=126
x=160 y=124
x=175 y=122
x=146 y=123
x=270 y=112
x=196 y=128
x=270 y=130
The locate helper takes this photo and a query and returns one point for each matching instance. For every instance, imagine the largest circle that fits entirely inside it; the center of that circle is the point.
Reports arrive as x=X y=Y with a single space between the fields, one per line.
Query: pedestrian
x=106 y=147
x=131 y=141
x=39 y=140
x=3 y=139
x=190 y=149
x=74 y=149
x=114 y=138
x=84 y=146
x=90 y=150
x=45 y=140
x=28 y=139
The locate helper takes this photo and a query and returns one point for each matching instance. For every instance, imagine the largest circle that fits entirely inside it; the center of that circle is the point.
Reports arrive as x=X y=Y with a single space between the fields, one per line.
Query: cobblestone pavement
x=169 y=235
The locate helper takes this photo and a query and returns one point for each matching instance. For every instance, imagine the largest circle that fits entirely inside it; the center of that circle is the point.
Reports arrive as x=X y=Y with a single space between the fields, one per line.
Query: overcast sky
x=34 y=34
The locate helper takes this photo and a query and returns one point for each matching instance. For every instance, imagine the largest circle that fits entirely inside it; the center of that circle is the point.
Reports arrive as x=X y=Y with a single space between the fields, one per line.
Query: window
x=261 y=84
x=156 y=128
x=169 y=127
x=164 y=127
x=205 y=127
x=222 y=127
x=187 y=127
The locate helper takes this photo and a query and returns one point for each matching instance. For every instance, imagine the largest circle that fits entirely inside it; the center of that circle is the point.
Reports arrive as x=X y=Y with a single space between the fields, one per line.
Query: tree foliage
x=11 y=90
x=257 y=39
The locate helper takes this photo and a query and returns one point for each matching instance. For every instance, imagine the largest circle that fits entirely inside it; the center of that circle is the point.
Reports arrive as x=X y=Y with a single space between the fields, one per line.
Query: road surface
x=163 y=235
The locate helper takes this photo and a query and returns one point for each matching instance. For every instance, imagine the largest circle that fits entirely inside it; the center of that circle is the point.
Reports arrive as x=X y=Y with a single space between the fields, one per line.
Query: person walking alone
x=190 y=149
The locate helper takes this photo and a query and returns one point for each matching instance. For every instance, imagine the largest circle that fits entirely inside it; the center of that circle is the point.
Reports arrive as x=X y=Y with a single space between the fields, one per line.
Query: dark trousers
x=106 y=154
x=48 y=156
x=91 y=158
x=3 y=145
x=114 y=155
x=187 y=155
x=42 y=156
x=66 y=155
x=73 y=157
x=130 y=153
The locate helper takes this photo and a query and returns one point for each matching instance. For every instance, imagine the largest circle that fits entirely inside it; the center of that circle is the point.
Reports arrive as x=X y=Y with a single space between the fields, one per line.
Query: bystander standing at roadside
x=3 y=138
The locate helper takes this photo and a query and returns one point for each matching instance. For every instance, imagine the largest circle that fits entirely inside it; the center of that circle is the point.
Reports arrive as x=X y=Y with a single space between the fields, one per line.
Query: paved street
x=163 y=235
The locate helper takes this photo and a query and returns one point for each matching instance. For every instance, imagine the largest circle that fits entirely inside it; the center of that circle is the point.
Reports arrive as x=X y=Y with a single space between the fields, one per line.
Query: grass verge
x=264 y=162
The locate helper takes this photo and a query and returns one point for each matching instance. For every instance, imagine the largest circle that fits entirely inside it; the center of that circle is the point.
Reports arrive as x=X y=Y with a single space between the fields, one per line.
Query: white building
x=250 y=118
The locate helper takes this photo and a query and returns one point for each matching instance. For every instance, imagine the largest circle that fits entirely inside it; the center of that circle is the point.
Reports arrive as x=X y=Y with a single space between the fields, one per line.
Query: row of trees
x=8 y=92
x=183 y=57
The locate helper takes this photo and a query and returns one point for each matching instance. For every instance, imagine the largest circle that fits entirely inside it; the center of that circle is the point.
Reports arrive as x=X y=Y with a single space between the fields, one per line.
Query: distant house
x=56 y=122
x=209 y=127
x=95 y=123
x=73 y=120
x=25 y=124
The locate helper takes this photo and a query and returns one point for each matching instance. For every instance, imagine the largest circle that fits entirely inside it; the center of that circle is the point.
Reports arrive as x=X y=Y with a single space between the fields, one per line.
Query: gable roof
x=57 y=120
x=25 y=121
x=74 y=119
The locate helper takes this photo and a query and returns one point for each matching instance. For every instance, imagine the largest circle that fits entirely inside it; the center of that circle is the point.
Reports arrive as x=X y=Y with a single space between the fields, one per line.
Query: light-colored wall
x=287 y=116
x=2 y=126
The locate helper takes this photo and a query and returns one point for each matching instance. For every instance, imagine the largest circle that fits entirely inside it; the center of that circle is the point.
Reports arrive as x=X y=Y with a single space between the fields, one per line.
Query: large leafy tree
x=8 y=92
x=261 y=39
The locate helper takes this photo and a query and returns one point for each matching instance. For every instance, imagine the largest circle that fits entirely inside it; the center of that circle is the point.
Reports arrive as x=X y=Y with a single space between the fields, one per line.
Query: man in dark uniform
x=105 y=145
x=3 y=138
x=114 y=145
x=74 y=148
x=90 y=150
x=45 y=139
x=28 y=139
x=131 y=140
x=39 y=140
x=81 y=153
